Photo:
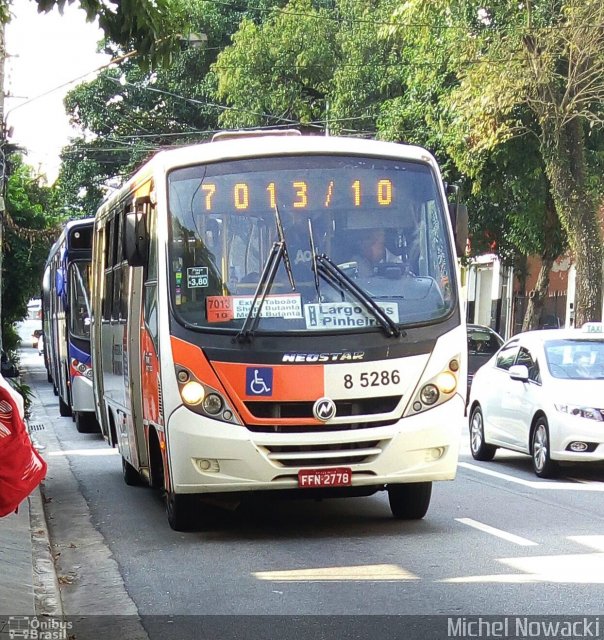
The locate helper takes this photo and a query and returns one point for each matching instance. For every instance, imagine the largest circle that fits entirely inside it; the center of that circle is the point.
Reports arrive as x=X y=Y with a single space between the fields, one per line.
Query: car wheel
x=543 y=465
x=479 y=448
x=409 y=501
x=181 y=511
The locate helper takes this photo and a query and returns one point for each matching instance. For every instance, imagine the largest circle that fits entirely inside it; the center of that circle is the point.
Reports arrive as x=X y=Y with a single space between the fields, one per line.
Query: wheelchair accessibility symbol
x=259 y=381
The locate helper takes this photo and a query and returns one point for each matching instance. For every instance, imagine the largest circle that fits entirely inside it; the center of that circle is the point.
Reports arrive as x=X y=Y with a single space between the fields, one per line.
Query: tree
x=28 y=234
x=278 y=73
x=127 y=113
x=139 y=25
x=546 y=59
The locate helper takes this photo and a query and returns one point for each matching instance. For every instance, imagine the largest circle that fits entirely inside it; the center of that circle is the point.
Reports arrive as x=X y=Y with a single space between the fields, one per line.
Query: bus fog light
x=454 y=365
x=183 y=376
x=429 y=394
x=192 y=393
x=212 y=404
x=446 y=382
x=208 y=465
x=89 y=374
x=227 y=415
x=417 y=406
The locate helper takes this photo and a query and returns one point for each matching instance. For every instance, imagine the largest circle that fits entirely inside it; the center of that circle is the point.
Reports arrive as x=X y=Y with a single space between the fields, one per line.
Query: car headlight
x=580 y=412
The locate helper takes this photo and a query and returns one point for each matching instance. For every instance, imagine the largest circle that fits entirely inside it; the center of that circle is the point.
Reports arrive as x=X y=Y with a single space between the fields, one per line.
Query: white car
x=542 y=393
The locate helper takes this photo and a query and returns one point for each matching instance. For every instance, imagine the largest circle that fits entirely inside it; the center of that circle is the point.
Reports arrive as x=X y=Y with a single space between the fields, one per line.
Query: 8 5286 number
x=372 y=379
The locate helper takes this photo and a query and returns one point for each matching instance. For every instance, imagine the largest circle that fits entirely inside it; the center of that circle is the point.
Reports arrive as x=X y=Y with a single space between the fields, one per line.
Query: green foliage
x=279 y=72
x=137 y=25
x=28 y=234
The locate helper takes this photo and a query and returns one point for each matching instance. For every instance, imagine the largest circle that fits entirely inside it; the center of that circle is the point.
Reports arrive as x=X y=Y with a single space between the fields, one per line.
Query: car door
x=522 y=399
x=494 y=404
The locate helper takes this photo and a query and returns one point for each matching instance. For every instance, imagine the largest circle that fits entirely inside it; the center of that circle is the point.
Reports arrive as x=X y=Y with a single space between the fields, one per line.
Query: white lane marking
x=510 y=537
x=576 y=568
x=375 y=572
x=559 y=486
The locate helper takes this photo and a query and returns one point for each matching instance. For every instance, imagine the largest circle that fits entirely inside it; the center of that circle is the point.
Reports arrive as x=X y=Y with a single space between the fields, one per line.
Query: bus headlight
x=203 y=399
x=192 y=393
x=437 y=389
x=429 y=394
x=446 y=382
x=212 y=404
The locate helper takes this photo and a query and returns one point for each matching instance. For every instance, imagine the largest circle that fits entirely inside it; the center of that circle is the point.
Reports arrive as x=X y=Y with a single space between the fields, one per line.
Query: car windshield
x=575 y=359
x=380 y=221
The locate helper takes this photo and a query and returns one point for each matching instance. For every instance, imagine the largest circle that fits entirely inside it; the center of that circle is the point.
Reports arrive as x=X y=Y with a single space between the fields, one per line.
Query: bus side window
x=108 y=288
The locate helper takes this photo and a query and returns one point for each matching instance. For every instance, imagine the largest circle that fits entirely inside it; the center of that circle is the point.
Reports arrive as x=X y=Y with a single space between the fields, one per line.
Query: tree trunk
x=564 y=157
x=534 y=307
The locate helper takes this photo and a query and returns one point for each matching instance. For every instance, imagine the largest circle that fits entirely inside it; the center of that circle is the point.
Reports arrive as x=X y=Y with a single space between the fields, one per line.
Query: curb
x=47 y=595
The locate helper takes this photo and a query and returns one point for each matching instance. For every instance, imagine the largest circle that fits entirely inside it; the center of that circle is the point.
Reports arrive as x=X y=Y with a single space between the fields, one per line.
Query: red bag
x=21 y=466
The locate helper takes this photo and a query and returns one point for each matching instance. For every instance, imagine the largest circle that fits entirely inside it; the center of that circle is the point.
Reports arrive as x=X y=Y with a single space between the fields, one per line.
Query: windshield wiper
x=269 y=271
x=313 y=255
x=333 y=274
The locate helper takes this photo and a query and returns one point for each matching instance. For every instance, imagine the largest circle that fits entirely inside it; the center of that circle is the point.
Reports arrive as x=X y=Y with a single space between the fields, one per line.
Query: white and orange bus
x=239 y=345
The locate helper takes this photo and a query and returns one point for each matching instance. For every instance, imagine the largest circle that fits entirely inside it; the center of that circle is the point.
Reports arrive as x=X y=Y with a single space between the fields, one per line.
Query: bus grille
x=315 y=428
x=324 y=455
x=352 y=408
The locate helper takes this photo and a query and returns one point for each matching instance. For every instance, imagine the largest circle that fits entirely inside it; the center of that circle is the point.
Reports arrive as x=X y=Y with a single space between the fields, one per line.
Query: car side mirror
x=519 y=372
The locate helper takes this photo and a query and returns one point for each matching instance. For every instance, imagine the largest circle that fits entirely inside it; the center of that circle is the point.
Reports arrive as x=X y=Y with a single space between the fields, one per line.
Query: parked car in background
x=483 y=343
x=542 y=394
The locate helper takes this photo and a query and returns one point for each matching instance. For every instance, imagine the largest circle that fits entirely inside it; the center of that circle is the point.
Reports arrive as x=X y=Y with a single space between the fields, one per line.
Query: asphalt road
x=496 y=541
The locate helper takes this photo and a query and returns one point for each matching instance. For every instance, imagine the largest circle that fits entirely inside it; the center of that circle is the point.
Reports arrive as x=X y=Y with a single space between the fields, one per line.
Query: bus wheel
x=85 y=422
x=131 y=476
x=409 y=501
x=181 y=511
x=64 y=408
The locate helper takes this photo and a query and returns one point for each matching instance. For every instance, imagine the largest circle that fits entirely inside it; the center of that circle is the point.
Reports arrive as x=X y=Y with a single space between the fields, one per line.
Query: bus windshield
x=380 y=221
x=79 y=283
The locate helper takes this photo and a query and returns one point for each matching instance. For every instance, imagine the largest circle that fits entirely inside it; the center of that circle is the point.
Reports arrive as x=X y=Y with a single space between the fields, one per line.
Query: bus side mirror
x=459 y=219
x=136 y=239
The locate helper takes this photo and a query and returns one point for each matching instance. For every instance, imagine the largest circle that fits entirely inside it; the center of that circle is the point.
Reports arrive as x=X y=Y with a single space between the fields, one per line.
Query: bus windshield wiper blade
x=286 y=260
x=265 y=283
x=313 y=255
x=269 y=271
x=332 y=273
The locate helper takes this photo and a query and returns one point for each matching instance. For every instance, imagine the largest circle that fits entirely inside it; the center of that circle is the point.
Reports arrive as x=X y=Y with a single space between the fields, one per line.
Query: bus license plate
x=335 y=477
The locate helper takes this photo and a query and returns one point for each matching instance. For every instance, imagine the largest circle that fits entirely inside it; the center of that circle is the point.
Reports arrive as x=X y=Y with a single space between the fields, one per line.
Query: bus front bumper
x=207 y=456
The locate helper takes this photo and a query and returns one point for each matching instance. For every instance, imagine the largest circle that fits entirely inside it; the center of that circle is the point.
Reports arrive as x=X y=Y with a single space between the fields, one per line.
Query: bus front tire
x=409 y=501
x=181 y=511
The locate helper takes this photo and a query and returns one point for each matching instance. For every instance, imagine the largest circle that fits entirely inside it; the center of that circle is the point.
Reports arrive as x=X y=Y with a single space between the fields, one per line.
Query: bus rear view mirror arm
x=459 y=220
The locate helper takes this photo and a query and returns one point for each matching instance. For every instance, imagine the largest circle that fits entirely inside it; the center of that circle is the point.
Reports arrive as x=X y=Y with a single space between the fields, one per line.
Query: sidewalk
x=28 y=581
